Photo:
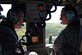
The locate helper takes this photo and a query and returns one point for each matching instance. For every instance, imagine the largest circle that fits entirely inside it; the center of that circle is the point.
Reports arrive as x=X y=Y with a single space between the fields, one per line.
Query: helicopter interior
x=35 y=12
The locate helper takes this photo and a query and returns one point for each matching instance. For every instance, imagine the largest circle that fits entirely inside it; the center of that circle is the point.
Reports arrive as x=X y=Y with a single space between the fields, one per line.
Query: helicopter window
x=5 y=7
x=53 y=26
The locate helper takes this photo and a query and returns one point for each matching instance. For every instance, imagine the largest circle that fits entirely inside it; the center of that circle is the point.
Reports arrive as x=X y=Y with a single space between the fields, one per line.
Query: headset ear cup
x=15 y=20
x=70 y=15
x=11 y=17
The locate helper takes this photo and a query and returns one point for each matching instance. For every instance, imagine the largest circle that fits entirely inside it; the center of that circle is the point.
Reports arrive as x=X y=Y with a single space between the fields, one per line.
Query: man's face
x=20 y=17
x=63 y=19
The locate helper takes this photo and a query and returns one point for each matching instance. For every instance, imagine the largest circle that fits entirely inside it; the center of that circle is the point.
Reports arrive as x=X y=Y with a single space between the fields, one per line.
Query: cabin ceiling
x=11 y=1
x=63 y=2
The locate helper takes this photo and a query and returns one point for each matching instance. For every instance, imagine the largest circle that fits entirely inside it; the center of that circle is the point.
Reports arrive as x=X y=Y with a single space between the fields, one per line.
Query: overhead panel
x=11 y=1
x=57 y=2
x=32 y=10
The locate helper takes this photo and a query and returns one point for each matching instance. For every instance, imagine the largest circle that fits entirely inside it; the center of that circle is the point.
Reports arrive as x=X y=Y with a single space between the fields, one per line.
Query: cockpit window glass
x=54 y=26
x=5 y=7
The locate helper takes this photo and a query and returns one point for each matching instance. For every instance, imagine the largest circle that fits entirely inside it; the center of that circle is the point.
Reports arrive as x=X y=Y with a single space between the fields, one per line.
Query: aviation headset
x=70 y=12
x=11 y=15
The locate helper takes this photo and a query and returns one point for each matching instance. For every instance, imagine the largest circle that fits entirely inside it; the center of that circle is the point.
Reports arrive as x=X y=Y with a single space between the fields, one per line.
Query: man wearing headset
x=68 y=39
x=8 y=36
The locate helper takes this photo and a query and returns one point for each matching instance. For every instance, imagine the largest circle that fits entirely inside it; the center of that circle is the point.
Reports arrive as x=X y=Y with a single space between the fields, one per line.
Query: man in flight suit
x=68 y=39
x=8 y=36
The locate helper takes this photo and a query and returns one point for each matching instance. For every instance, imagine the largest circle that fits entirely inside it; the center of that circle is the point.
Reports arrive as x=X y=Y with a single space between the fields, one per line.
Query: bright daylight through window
x=53 y=26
